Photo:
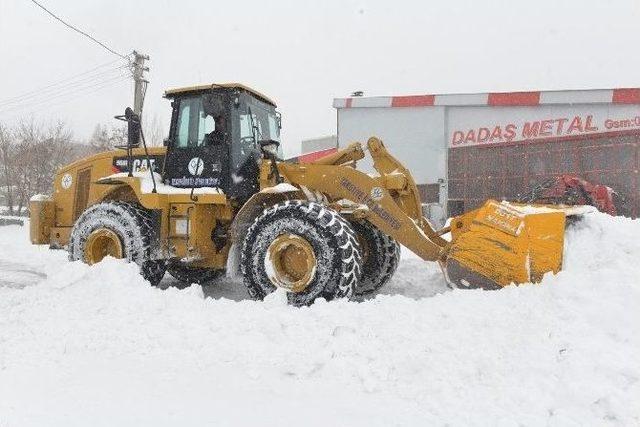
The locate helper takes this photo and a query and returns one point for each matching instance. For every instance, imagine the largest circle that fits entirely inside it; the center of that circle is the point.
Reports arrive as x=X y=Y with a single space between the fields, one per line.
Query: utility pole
x=139 y=80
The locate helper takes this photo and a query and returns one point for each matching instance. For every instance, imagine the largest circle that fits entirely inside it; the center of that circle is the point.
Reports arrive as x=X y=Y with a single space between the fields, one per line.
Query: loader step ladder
x=180 y=221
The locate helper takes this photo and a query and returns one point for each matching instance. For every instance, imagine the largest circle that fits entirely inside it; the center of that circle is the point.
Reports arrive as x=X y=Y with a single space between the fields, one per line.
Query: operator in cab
x=218 y=135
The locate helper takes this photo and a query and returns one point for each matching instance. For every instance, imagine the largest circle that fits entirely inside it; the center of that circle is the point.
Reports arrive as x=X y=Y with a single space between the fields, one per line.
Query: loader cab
x=215 y=137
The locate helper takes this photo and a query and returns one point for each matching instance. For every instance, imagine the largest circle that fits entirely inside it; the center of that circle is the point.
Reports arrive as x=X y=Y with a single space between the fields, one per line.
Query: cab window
x=193 y=124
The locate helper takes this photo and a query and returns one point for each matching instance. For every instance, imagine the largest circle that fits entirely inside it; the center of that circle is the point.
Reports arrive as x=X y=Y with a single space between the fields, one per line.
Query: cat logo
x=196 y=166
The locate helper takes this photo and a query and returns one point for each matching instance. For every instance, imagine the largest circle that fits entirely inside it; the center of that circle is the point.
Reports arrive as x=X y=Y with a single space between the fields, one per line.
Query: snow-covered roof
x=591 y=96
x=169 y=93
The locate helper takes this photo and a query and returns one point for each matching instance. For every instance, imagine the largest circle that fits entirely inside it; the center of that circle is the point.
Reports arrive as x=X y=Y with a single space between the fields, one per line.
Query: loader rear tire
x=127 y=231
x=380 y=257
x=304 y=247
x=188 y=275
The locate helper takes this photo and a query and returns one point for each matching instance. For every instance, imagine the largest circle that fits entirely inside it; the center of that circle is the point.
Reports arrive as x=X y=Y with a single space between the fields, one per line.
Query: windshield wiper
x=254 y=128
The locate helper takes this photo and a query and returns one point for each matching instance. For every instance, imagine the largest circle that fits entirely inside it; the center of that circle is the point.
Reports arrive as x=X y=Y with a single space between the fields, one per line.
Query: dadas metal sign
x=481 y=126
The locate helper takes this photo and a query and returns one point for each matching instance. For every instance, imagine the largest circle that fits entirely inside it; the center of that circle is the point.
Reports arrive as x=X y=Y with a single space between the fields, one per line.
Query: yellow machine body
x=490 y=247
x=43 y=213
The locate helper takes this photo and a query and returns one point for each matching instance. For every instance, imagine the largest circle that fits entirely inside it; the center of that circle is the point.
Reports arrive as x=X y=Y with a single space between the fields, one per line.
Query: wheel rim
x=290 y=262
x=101 y=243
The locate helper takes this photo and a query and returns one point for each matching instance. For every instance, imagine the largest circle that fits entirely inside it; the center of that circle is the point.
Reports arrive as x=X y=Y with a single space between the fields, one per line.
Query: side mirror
x=264 y=143
x=269 y=146
x=133 y=127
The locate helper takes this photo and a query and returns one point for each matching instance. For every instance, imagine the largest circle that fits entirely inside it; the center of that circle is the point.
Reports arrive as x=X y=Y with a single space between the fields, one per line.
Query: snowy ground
x=97 y=345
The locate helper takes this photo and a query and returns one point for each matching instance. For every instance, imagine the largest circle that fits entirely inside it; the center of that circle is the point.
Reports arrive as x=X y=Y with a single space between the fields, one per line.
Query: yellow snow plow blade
x=501 y=243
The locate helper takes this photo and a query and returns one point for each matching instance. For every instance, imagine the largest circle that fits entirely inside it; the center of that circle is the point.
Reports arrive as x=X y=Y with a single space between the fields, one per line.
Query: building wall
x=502 y=172
x=468 y=148
x=501 y=152
x=414 y=135
x=318 y=144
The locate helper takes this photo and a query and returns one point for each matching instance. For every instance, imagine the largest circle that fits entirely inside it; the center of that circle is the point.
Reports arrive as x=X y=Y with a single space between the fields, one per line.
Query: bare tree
x=107 y=138
x=6 y=157
x=31 y=152
x=39 y=151
x=154 y=131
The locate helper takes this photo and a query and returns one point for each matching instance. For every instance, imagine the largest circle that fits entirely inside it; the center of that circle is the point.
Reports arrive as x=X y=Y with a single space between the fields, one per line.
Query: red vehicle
x=570 y=189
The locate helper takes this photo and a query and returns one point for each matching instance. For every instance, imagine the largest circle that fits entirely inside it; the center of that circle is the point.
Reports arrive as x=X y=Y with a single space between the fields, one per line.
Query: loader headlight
x=181 y=227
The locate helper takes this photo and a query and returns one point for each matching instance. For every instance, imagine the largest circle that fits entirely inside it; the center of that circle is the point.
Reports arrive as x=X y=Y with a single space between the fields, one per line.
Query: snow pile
x=99 y=346
x=39 y=198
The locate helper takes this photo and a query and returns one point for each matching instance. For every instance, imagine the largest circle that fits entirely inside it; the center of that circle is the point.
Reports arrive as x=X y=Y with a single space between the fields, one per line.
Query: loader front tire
x=380 y=257
x=120 y=230
x=305 y=248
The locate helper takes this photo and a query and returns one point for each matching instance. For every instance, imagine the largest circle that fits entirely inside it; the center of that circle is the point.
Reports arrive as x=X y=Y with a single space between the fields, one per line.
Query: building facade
x=466 y=148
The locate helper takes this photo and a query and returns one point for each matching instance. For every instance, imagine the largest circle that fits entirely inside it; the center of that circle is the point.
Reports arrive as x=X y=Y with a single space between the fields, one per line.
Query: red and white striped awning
x=595 y=96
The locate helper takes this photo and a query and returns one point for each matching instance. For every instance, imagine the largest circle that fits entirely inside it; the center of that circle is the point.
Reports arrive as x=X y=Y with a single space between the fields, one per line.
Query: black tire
x=334 y=244
x=380 y=257
x=188 y=275
x=136 y=229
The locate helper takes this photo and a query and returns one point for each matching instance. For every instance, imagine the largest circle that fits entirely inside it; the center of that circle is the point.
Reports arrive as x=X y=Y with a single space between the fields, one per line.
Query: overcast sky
x=305 y=53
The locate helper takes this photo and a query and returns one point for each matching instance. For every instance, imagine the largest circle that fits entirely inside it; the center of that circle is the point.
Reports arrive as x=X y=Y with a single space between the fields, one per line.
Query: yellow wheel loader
x=218 y=199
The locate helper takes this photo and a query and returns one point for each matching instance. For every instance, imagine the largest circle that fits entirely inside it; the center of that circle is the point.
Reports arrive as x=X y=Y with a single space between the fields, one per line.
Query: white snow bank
x=39 y=198
x=99 y=346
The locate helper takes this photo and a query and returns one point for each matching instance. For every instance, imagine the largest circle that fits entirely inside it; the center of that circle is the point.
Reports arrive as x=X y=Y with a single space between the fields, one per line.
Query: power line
x=61 y=87
x=66 y=89
x=79 y=31
x=58 y=82
x=86 y=91
x=55 y=106
x=66 y=94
